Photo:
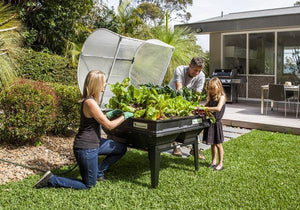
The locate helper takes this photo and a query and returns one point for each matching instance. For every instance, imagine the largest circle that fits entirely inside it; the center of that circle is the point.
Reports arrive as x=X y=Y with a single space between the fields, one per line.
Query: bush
x=69 y=108
x=46 y=67
x=29 y=111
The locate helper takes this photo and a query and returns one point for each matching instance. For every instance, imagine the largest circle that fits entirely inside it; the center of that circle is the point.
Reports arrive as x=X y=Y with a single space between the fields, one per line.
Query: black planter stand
x=158 y=136
x=154 y=155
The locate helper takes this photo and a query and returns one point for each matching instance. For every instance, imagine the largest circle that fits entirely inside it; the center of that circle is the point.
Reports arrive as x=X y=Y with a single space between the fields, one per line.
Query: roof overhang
x=236 y=25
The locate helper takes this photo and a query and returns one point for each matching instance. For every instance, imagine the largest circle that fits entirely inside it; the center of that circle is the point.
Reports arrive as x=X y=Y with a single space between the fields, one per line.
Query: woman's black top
x=88 y=136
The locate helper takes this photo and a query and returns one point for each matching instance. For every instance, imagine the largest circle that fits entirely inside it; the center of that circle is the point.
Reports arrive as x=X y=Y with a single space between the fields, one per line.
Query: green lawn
x=261 y=171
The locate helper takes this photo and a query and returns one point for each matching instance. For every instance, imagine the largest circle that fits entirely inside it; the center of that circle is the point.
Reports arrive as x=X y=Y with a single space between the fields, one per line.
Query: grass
x=261 y=171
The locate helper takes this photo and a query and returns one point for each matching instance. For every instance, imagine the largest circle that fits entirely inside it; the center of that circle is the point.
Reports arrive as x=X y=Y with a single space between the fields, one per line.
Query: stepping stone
x=236 y=130
x=226 y=139
x=231 y=135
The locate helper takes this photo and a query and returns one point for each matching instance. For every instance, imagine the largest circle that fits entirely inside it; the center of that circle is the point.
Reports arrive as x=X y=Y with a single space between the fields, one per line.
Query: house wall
x=215 y=52
x=253 y=76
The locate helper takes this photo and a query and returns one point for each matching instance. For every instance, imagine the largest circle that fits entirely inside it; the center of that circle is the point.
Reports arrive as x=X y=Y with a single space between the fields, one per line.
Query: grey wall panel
x=215 y=52
x=255 y=83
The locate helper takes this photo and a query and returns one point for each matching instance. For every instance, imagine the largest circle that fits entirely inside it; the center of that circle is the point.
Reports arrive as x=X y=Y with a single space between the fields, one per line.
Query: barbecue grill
x=143 y=62
x=230 y=83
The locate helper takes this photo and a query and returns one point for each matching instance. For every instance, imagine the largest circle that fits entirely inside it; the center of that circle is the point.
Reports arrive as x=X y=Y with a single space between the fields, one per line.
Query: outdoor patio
x=246 y=114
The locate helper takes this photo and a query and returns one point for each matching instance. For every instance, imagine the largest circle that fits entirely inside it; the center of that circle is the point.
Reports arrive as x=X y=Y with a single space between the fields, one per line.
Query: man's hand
x=114 y=113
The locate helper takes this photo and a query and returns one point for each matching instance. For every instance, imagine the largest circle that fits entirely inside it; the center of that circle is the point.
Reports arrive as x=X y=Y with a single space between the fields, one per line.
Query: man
x=193 y=78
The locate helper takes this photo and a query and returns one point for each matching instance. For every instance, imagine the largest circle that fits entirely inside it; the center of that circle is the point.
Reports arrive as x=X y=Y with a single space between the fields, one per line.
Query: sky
x=204 y=9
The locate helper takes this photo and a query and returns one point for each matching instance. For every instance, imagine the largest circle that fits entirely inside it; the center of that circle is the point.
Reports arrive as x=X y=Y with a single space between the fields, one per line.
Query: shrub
x=46 y=67
x=69 y=108
x=29 y=111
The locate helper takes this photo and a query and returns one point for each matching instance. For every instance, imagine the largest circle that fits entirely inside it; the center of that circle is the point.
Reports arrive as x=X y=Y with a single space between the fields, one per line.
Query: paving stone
x=231 y=135
x=226 y=139
x=236 y=130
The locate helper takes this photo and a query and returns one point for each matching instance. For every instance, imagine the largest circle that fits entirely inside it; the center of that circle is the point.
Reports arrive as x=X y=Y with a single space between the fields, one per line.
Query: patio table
x=266 y=87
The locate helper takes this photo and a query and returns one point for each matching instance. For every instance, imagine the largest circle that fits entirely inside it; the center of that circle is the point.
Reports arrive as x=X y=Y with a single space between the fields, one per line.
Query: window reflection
x=234 y=52
x=288 y=57
x=261 y=53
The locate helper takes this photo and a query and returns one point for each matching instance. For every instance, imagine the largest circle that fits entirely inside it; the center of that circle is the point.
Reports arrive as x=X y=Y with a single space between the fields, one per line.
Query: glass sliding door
x=288 y=57
x=234 y=52
x=261 y=53
x=234 y=57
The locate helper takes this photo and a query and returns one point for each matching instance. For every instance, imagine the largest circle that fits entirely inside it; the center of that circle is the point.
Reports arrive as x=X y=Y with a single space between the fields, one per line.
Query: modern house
x=263 y=45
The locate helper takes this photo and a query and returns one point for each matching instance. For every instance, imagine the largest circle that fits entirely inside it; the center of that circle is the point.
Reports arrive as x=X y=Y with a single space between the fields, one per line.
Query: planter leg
x=154 y=166
x=196 y=153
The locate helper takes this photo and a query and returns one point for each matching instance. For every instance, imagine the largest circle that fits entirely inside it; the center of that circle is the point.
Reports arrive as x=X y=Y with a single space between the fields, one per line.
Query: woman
x=87 y=144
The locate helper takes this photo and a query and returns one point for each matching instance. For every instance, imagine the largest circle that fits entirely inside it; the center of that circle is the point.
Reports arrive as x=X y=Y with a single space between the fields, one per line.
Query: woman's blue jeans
x=87 y=160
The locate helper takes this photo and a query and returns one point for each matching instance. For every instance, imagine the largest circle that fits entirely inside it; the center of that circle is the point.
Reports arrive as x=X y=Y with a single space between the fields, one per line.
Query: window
x=288 y=57
x=234 y=52
x=261 y=53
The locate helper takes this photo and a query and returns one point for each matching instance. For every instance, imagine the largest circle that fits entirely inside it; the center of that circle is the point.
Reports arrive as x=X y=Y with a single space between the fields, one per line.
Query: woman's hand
x=114 y=113
x=128 y=115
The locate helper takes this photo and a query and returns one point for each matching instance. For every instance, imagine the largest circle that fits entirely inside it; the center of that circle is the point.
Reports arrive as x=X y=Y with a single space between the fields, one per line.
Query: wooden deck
x=247 y=115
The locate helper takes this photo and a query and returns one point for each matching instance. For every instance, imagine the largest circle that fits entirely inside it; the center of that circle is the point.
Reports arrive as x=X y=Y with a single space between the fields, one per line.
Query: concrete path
x=247 y=114
x=229 y=133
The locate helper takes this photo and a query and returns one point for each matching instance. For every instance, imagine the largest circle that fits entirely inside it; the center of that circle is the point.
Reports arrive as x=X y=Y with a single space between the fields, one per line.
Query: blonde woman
x=213 y=135
x=87 y=144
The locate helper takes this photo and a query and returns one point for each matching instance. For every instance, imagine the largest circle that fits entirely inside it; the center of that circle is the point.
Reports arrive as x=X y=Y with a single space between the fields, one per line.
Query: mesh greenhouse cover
x=120 y=57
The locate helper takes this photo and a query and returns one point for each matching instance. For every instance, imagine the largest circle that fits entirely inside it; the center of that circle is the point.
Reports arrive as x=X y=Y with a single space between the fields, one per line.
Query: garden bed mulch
x=54 y=152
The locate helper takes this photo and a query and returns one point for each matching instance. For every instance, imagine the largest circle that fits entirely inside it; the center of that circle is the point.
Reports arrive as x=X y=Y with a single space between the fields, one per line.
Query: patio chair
x=276 y=93
x=294 y=98
x=298 y=101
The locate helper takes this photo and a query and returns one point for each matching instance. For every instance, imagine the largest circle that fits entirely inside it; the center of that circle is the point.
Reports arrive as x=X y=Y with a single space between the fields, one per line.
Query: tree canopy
x=151 y=13
x=54 y=22
x=177 y=9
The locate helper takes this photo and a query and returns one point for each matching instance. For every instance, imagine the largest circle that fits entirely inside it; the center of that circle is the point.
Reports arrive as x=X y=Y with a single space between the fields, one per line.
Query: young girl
x=213 y=135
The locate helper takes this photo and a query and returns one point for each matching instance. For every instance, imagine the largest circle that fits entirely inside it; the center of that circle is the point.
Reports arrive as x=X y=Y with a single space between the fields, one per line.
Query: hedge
x=69 y=108
x=42 y=66
x=29 y=110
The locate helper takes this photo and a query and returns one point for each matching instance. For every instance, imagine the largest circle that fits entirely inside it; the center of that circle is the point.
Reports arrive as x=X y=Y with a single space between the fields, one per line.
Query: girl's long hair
x=93 y=85
x=216 y=84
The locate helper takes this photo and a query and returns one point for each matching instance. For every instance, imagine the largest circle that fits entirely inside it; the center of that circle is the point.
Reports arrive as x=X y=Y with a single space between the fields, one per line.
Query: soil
x=54 y=152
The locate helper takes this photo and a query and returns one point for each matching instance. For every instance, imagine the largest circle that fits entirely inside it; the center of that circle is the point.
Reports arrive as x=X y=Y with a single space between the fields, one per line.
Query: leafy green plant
x=189 y=95
x=146 y=102
x=29 y=111
x=69 y=108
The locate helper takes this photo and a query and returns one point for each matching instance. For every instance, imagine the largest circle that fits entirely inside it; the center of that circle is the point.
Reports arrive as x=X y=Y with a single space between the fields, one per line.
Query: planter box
x=141 y=133
x=157 y=136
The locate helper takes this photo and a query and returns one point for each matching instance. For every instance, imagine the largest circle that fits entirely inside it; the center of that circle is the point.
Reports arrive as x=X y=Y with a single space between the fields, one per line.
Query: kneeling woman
x=87 y=144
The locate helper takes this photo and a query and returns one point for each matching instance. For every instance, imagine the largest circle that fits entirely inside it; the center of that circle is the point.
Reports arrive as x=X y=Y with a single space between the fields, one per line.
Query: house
x=263 y=45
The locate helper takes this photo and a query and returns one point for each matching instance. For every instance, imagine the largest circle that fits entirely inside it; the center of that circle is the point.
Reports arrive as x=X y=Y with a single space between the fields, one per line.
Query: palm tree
x=185 y=46
x=129 y=18
x=10 y=41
